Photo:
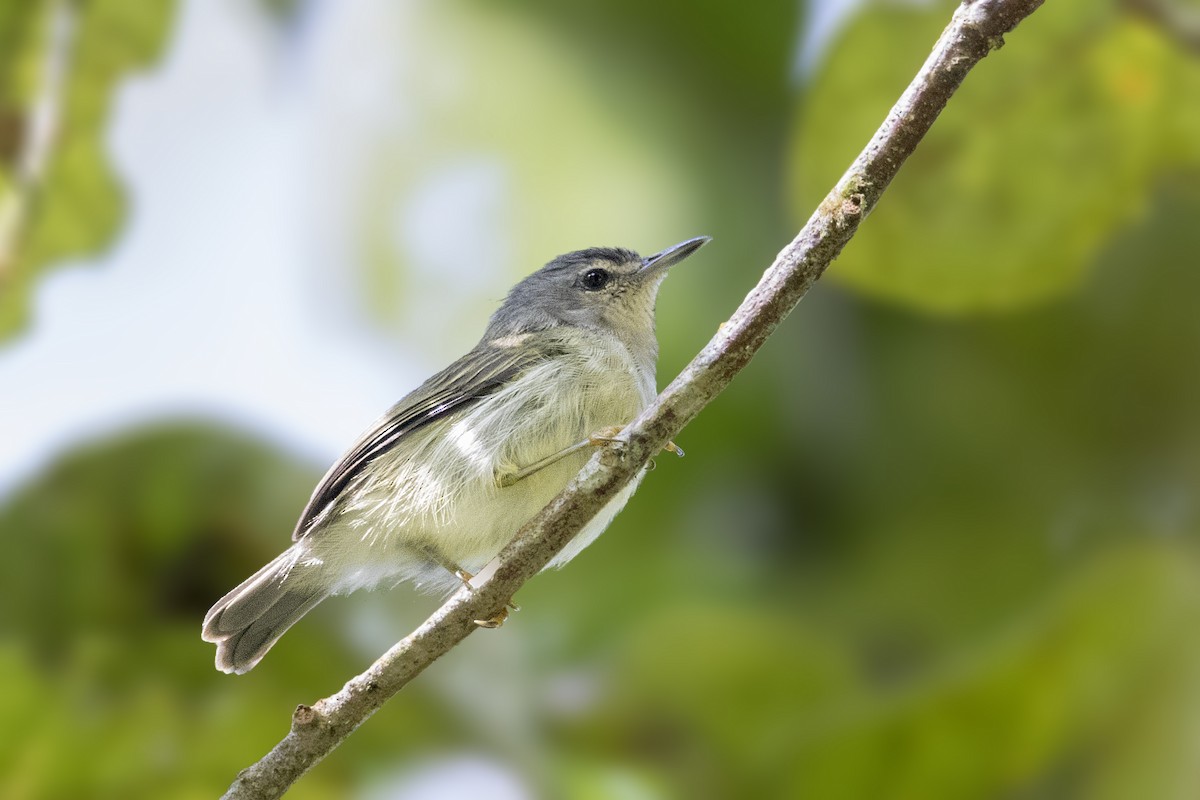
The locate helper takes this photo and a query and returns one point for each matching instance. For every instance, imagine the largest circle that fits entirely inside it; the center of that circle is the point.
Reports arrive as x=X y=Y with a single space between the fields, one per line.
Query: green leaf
x=1089 y=692
x=123 y=544
x=1051 y=145
x=77 y=206
x=719 y=696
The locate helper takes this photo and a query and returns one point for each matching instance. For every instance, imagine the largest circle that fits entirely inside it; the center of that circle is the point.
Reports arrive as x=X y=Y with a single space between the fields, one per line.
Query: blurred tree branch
x=40 y=131
x=977 y=28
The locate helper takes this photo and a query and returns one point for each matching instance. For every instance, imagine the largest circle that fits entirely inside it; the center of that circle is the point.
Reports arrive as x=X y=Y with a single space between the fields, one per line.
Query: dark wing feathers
x=481 y=372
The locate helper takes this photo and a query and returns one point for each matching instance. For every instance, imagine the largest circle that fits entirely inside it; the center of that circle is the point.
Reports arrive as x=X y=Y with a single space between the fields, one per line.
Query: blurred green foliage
x=1047 y=148
x=77 y=206
x=906 y=557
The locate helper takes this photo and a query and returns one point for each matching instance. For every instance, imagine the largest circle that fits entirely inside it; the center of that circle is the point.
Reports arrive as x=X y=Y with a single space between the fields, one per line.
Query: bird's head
x=607 y=289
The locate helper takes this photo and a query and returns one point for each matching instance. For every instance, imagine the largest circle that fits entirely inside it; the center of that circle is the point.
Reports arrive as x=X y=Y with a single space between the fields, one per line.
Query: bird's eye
x=594 y=279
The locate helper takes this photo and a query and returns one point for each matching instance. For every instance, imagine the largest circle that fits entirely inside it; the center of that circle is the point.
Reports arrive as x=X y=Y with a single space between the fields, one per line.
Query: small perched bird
x=448 y=475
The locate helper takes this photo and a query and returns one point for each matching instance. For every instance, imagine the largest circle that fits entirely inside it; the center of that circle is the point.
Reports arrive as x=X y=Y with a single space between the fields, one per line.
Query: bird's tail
x=245 y=623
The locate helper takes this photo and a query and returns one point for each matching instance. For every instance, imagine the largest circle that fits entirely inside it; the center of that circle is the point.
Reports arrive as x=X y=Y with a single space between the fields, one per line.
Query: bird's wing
x=481 y=372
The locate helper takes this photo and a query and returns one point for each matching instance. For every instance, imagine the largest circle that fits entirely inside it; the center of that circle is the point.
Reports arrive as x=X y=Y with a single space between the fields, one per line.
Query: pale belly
x=434 y=503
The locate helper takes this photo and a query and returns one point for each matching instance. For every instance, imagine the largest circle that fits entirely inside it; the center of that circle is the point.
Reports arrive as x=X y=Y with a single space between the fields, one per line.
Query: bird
x=445 y=478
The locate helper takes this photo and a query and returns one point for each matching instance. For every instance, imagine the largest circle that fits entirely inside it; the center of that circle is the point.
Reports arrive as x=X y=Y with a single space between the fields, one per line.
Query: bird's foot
x=497 y=619
x=609 y=435
x=491 y=622
x=612 y=435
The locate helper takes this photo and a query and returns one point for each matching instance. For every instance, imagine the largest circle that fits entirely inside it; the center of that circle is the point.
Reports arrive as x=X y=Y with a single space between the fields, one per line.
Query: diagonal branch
x=977 y=28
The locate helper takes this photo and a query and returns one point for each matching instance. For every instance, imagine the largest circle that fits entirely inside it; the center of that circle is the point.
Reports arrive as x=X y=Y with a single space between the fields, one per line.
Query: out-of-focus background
x=938 y=541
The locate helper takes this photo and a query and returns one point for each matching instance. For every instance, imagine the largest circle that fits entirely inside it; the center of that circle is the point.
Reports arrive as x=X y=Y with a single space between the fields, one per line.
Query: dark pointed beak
x=660 y=262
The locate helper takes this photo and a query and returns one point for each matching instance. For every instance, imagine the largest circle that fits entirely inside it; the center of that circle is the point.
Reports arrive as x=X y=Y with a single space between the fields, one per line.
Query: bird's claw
x=611 y=435
x=607 y=435
x=494 y=621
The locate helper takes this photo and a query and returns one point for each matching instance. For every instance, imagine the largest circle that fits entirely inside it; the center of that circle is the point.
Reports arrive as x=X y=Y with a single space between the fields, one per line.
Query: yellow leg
x=506 y=479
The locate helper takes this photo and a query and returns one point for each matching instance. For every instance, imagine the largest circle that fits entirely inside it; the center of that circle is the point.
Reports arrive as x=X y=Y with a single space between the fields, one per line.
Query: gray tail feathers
x=246 y=622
